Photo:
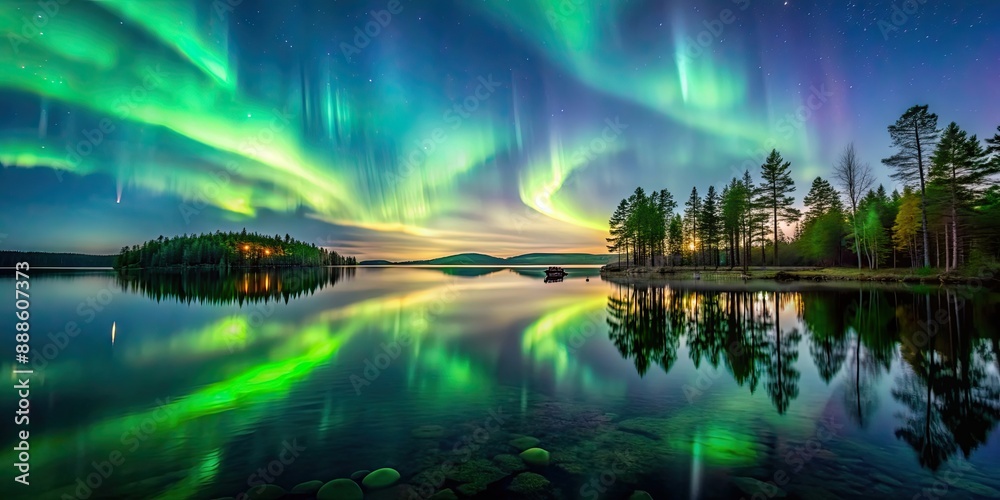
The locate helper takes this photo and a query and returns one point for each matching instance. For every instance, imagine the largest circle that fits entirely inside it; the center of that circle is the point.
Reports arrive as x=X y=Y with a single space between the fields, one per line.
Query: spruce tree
x=776 y=188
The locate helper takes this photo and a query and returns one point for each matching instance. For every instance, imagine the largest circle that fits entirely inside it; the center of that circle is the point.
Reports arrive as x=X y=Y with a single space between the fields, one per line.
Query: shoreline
x=791 y=274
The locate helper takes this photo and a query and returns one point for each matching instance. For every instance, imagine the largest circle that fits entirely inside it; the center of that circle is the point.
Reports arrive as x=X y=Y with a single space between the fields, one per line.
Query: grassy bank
x=986 y=276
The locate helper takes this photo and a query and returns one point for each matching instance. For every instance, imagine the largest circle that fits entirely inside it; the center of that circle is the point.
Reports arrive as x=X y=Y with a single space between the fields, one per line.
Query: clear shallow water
x=688 y=390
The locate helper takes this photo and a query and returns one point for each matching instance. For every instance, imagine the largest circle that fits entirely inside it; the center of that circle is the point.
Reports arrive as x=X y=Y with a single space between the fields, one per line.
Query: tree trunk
x=937 y=249
x=923 y=197
x=776 y=236
x=954 y=235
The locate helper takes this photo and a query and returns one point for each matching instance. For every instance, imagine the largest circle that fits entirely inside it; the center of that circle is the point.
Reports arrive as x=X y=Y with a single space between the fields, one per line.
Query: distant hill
x=9 y=258
x=478 y=259
x=562 y=258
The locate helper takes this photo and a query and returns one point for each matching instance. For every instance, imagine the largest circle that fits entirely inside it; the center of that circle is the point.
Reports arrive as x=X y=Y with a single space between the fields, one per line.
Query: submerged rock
x=529 y=484
x=340 y=489
x=752 y=486
x=360 y=475
x=266 y=492
x=381 y=478
x=524 y=442
x=477 y=474
x=508 y=463
x=308 y=487
x=445 y=494
x=536 y=457
x=640 y=495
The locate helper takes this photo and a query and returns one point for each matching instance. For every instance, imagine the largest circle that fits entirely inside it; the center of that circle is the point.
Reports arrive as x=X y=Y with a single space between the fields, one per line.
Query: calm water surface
x=202 y=385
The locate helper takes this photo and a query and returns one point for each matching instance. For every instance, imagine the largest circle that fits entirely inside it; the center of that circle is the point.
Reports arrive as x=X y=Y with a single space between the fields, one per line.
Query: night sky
x=501 y=127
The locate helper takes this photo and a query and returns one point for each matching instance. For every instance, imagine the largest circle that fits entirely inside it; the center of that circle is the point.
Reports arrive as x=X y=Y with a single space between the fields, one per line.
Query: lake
x=204 y=385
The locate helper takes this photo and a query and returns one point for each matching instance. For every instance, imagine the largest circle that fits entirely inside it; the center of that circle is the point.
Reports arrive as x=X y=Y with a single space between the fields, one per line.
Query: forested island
x=227 y=250
x=947 y=218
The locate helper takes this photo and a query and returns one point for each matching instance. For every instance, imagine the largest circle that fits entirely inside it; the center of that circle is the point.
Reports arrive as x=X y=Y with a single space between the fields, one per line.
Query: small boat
x=697 y=276
x=555 y=272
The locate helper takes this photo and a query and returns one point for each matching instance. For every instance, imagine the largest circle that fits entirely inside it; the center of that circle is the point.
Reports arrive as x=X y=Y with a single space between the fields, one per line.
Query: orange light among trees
x=246 y=247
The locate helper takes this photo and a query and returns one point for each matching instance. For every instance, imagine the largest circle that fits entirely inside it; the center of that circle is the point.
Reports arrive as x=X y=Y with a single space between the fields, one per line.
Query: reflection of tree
x=823 y=316
x=952 y=398
x=732 y=328
x=948 y=390
x=641 y=327
x=972 y=405
x=871 y=318
x=708 y=335
x=237 y=286
x=923 y=429
x=747 y=346
x=782 y=377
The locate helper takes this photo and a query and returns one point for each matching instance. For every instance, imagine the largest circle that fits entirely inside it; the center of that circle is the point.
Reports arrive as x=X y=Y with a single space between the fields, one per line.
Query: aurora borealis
x=502 y=127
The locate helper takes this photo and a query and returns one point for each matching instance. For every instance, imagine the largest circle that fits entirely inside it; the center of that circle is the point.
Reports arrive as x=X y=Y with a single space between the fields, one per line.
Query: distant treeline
x=43 y=259
x=227 y=250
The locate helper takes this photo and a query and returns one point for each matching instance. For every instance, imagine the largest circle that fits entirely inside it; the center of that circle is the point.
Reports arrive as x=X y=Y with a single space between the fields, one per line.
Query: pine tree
x=734 y=200
x=820 y=234
x=692 y=212
x=710 y=225
x=675 y=237
x=667 y=205
x=619 y=238
x=914 y=135
x=776 y=186
x=959 y=166
x=821 y=200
